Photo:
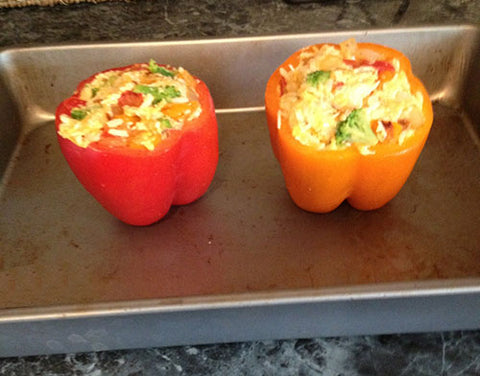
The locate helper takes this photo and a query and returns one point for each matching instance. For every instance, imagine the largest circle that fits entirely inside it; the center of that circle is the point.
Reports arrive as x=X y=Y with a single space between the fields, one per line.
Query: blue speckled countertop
x=438 y=354
x=452 y=353
x=160 y=20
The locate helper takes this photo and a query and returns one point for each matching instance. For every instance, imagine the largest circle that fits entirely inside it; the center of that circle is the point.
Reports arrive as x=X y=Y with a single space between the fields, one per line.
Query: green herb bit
x=165 y=123
x=155 y=68
x=78 y=113
x=94 y=91
x=355 y=128
x=159 y=94
x=112 y=79
x=318 y=77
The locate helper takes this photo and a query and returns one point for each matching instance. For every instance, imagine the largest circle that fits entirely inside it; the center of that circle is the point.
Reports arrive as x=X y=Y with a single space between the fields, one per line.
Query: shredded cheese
x=130 y=105
x=316 y=103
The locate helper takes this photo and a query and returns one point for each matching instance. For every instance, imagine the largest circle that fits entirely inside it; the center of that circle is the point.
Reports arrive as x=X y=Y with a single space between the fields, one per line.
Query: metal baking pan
x=243 y=262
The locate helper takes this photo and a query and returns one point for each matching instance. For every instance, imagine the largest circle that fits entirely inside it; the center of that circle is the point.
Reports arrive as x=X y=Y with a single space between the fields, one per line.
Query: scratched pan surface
x=243 y=253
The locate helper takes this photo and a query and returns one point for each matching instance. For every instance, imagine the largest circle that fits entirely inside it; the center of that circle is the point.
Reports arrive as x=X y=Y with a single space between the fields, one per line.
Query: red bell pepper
x=319 y=180
x=137 y=185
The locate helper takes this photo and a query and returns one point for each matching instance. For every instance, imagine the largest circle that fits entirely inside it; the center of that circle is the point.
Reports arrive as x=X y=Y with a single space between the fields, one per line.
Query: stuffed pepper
x=346 y=122
x=140 y=139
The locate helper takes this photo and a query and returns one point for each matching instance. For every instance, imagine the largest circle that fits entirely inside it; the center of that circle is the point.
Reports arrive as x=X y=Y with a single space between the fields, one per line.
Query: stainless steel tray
x=243 y=262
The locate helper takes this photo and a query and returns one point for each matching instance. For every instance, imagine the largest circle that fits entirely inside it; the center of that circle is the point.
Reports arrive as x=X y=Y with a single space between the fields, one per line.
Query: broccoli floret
x=355 y=129
x=317 y=77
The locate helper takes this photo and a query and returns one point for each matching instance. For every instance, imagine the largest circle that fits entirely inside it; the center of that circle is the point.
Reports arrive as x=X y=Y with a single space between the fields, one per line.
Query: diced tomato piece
x=383 y=66
x=380 y=66
x=129 y=98
x=283 y=85
x=354 y=63
x=68 y=106
x=337 y=85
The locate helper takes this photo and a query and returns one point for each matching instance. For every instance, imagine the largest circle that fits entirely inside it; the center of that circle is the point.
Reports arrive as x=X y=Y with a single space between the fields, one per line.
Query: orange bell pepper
x=320 y=180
